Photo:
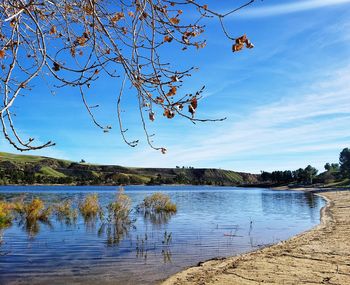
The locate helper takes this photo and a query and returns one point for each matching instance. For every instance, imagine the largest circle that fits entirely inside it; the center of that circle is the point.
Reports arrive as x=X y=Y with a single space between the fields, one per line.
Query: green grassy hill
x=29 y=169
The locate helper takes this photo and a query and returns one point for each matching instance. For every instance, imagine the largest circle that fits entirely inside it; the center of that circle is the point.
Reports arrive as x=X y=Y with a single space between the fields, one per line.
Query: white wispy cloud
x=312 y=121
x=287 y=8
x=309 y=123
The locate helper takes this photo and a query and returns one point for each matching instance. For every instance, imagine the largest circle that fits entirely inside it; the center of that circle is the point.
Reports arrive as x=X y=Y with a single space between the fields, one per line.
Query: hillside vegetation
x=28 y=169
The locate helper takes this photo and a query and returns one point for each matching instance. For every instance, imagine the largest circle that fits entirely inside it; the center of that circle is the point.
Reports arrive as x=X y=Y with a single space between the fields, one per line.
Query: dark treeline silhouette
x=302 y=176
x=306 y=176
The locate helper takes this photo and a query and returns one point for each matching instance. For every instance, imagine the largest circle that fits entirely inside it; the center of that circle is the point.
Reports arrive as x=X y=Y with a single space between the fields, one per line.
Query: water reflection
x=32 y=226
x=144 y=248
x=1 y=236
x=287 y=203
x=166 y=255
x=115 y=232
x=157 y=219
x=90 y=223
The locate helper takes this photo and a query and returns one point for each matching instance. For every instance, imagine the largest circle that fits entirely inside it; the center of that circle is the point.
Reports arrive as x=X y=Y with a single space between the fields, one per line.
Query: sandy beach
x=318 y=256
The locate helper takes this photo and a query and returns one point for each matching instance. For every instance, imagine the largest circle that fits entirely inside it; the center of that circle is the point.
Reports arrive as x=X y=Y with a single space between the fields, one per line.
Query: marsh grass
x=90 y=207
x=31 y=213
x=167 y=256
x=118 y=222
x=65 y=212
x=157 y=203
x=157 y=219
x=141 y=246
x=115 y=233
x=167 y=238
x=6 y=216
x=120 y=209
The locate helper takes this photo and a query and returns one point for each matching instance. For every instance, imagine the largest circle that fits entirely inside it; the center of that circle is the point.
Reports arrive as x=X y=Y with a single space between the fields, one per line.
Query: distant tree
x=327 y=166
x=265 y=176
x=331 y=167
x=287 y=176
x=310 y=173
x=82 y=161
x=344 y=162
x=281 y=177
x=299 y=175
x=335 y=166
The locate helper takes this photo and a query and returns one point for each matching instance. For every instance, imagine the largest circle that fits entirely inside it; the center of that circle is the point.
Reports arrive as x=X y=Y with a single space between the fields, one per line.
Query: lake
x=210 y=222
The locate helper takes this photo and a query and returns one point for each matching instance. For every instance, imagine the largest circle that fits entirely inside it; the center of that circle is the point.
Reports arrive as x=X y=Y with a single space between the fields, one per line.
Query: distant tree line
x=304 y=176
x=308 y=175
x=344 y=163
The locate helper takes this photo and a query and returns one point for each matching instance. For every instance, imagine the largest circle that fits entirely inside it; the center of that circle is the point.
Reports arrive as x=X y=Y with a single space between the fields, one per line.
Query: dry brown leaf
x=194 y=103
x=168 y=39
x=53 y=30
x=117 y=17
x=237 y=47
x=240 y=42
x=172 y=91
x=174 y=78
x=159 y=100
x=151 y=116
x=174 y=21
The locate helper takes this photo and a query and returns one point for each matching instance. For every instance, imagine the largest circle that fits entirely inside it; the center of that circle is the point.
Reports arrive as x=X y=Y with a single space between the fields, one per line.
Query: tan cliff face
x=319 y=256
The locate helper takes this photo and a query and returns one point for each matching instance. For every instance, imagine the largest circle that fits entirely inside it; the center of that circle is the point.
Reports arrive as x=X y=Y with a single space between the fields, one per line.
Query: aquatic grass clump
x=32 y=211
x=65 y=211
x=157 y=203
x=36 y=210
x=90 y=207
x=5 y=214
x=167 y=238
x=18 y=205
x=120 y=209
x=118 y=222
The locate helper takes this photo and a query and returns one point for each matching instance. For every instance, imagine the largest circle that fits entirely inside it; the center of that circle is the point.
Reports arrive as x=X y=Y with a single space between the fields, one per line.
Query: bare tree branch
x=78 y=41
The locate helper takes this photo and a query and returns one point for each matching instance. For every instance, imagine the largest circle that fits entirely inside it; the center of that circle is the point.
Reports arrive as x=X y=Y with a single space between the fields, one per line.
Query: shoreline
x=320 y=255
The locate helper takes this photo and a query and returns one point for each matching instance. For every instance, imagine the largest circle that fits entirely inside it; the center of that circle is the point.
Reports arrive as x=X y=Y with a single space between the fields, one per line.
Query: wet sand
x=318 y=256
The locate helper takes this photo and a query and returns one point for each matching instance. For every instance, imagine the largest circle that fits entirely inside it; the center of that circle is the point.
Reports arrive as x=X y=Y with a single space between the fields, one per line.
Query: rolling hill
x=29 y=169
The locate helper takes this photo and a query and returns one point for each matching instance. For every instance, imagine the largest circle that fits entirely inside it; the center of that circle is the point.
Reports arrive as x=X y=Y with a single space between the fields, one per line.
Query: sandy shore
x=319 y=256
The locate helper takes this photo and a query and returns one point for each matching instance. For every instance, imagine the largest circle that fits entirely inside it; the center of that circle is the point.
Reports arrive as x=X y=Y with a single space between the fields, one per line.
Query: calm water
x=210 y=222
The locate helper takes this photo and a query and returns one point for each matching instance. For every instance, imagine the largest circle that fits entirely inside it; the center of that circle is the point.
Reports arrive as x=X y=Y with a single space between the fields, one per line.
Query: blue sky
x=287 y=101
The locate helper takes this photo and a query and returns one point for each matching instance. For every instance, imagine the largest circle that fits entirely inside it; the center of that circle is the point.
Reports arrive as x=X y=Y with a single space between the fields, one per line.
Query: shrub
x=157 y=203
x=90 y=207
